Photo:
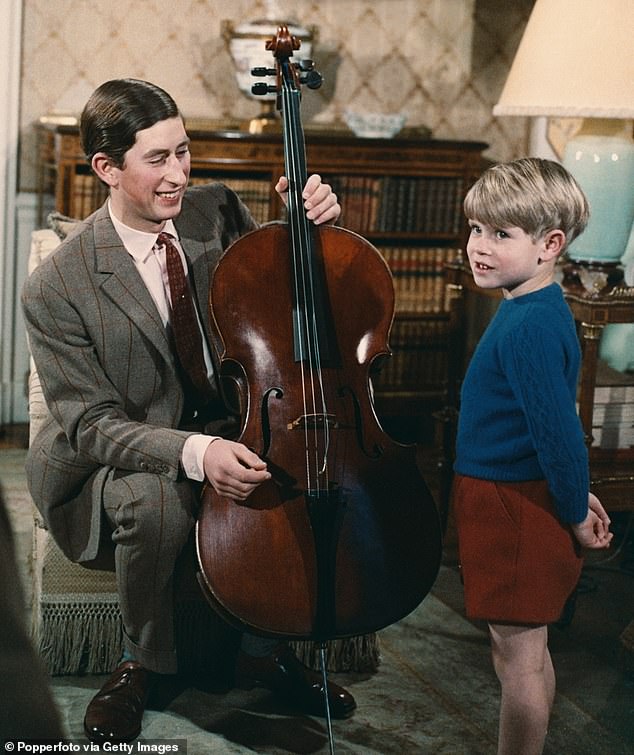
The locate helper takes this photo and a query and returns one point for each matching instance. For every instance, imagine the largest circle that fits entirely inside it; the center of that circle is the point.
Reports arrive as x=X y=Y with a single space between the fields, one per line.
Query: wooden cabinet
x=611 y=464
x=404 y=195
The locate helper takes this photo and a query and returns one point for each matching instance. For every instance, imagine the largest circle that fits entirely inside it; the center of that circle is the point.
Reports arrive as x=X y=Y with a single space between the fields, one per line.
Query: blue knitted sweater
x=518 y=418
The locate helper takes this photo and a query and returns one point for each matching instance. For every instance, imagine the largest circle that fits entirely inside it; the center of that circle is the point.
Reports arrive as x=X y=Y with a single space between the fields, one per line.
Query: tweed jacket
x=106 y=367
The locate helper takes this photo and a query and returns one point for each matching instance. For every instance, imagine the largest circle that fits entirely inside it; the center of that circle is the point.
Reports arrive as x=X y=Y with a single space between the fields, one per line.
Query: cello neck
x=311 y=344
x=294 y=154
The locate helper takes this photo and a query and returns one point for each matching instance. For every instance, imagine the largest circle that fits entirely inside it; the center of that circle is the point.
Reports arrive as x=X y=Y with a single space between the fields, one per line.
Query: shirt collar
x=139 y=244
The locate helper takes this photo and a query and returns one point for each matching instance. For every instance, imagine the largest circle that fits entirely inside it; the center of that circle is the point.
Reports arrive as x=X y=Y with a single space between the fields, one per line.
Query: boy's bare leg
x=524 y=668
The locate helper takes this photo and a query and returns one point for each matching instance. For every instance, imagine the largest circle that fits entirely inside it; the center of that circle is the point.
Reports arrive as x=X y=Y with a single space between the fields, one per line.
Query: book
x=613 y=408
x=253 y=191
x=418 y=277
x=613 y=436
x=613 y=386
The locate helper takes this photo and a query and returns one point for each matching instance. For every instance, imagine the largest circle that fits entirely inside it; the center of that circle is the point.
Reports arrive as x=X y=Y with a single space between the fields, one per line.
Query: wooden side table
x=611 y=470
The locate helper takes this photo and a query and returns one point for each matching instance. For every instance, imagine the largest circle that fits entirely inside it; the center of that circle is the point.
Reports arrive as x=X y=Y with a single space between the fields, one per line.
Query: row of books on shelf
x=613 y=436
x=88 y=194
x=400 y=204
x=254 y=192
x=613 y=425
x=419 y=357
x=613 y=416
x=391 y=204
x=418 y=277
x=613 y=408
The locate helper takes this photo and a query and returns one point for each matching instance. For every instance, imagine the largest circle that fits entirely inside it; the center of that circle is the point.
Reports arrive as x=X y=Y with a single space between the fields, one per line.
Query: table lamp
x=576 y=60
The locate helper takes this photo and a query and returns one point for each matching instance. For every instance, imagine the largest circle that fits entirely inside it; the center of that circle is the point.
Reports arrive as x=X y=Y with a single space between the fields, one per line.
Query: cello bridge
x=314 y=422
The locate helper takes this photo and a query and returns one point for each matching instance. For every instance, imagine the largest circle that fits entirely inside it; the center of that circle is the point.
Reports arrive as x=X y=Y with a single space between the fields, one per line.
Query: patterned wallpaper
x=443 y=62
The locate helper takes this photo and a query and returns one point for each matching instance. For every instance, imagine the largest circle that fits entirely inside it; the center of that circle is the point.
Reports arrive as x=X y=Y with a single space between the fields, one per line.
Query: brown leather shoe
x=115 y=712
x=298 y=685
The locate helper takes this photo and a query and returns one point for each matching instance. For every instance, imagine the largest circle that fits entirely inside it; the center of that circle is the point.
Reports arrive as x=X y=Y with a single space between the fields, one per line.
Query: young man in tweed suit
x=127 y=447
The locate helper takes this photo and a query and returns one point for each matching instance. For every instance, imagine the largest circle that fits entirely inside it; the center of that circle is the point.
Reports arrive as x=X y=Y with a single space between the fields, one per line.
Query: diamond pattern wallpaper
x=440 y=62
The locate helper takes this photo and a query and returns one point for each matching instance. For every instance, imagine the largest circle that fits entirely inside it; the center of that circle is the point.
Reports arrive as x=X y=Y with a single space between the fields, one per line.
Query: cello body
x=366 y=551
x=345 y=538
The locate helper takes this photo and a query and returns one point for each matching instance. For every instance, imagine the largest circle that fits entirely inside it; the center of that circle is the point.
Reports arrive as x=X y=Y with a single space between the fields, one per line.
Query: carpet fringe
x=77 y=636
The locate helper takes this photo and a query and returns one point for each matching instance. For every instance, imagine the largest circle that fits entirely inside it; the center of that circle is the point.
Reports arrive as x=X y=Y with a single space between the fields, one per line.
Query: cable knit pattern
x=518 y=418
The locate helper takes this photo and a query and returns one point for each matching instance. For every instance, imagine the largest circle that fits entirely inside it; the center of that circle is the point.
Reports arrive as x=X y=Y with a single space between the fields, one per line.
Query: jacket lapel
x=121 y=283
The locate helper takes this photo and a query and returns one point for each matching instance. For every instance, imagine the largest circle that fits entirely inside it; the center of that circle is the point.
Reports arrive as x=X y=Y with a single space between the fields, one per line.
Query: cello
x=345 y=538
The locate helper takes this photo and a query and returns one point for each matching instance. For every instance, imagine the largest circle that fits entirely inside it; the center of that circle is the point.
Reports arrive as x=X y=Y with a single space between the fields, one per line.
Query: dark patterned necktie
x=187 y=337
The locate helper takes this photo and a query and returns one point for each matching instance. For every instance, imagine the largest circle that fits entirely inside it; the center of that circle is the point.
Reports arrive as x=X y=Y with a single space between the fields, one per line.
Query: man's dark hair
x=115 y=112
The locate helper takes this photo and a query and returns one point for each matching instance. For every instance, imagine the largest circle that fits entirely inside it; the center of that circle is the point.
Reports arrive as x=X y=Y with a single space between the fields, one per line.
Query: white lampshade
x=576 y=59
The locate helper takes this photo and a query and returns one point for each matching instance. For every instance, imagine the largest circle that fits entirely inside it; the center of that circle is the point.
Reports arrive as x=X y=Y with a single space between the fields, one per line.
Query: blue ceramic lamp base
x=601 y=158
x=617 y=341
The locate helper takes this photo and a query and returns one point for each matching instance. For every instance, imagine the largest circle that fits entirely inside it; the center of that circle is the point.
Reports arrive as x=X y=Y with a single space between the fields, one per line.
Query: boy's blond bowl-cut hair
x=531 y=193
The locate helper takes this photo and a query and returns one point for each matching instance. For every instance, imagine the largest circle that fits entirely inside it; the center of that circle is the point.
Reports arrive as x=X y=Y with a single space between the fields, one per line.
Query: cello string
x=311 y=320
x=302 y=236
x=314 y=324
x=300 y=262
x=308 y=283
x=292 y=217
x=324 y=678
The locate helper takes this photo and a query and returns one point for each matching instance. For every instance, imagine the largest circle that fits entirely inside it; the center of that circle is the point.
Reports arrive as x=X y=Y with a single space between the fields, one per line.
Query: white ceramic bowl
x=374 y=125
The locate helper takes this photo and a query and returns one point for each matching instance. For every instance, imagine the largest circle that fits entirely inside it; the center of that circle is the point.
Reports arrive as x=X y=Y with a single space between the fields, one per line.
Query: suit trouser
x=151 y=519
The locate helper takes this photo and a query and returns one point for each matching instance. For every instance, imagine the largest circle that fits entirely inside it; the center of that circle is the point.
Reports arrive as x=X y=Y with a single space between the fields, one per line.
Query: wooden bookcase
x=404 y=195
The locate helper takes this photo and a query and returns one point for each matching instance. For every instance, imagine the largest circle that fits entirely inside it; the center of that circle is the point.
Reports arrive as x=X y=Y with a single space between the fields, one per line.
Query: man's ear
x=105 y=169
x=553 y=244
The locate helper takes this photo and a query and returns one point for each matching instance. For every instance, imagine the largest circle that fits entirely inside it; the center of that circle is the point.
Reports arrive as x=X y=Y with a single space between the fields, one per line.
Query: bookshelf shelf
x=404 y=195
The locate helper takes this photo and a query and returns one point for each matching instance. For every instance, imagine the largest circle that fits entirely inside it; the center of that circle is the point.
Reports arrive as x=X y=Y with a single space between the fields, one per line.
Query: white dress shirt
x=149 y=260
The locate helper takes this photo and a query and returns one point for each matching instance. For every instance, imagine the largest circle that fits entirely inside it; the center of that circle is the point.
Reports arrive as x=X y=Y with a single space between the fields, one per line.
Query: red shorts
x=519 y=563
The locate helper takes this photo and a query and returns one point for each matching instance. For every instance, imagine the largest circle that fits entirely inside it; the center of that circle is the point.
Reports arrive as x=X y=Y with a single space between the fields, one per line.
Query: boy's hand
x=594 y=531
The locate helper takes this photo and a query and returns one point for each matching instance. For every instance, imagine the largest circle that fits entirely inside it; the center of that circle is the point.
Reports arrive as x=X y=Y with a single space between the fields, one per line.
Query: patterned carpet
x=434 y=692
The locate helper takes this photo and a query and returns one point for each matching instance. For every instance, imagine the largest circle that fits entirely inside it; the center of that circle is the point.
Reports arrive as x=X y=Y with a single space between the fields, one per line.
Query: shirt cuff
x=193 y=455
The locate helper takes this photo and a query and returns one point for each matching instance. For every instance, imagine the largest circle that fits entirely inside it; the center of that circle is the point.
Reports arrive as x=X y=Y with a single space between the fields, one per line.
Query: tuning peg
x=261 y=71
x=262 y=88
x=306 y=64
x=312 y=79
